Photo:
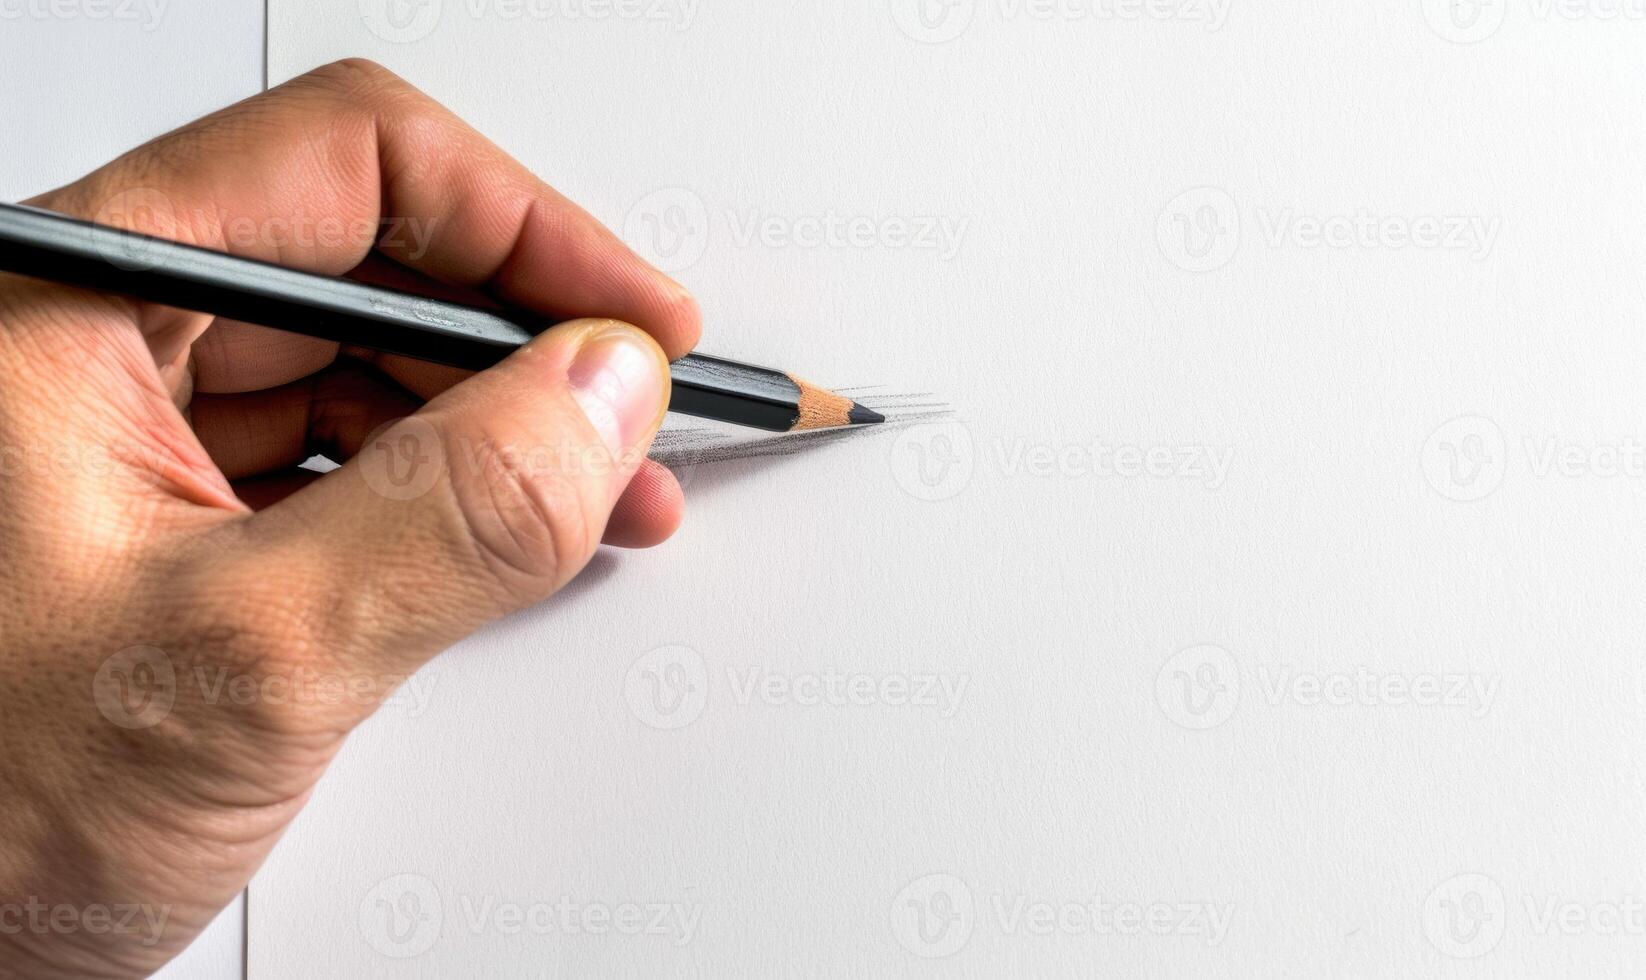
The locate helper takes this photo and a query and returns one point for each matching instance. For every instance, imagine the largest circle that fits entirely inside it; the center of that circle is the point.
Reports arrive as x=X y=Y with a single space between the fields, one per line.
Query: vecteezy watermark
x=1465 y=459
x=1469 y=234
x=933 y=21
x=1207 y=466
x=668 y=688
x=669 y=227
x=407 y=458
x=1550 y=456
x=404 y=916
x=1021 y=915
x=1200 y=688
x=834 y=688
x=408 y=239
x=1469 y=457
x=401 y=21
x=307 y=686
x=145 y=211
x=403 y=460
x=1199 y=230
x=936 y=461
x=1465 y=21
x=146 y=14
x=401 y=916
x=933 y=462
x=940 y=21
x=65 y=460
x=937 y=233
x=138 y=687
x=1557 y=915
x=933 y=916
x=1604 y=11
x=152 y=213
x=1473 y=21
x=1467 y=915
x=408 y=21
x=936 y=915
x=675 y=923
x=1283 y=684
x=672 y=227
x=145 y=923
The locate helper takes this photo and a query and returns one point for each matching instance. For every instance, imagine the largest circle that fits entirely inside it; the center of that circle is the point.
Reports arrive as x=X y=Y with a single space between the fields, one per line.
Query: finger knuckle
x=256 y=620
x=528 y=521
x=362 y=93
x=241 y=635
x=357 y=89
x=355 y=77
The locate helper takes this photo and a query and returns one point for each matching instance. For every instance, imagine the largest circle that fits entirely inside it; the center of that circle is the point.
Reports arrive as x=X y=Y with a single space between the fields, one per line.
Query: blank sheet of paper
x=1270 y=605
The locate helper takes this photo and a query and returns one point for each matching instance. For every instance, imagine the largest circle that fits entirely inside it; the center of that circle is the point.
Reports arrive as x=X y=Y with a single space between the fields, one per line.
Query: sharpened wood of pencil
x=46 y=245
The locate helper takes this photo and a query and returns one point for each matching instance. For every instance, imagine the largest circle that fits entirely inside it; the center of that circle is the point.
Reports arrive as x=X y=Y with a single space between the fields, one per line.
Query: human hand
x=162 y=547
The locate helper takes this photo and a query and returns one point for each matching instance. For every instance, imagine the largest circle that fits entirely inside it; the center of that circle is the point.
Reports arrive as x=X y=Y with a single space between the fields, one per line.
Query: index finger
x=303 y=175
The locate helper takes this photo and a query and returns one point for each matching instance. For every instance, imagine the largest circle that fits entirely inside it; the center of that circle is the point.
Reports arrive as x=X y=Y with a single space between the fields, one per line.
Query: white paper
x=1271 y=607
x=87 y=80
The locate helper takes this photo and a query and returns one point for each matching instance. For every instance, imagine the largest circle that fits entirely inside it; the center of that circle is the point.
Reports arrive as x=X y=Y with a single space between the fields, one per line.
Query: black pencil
x=51 y=246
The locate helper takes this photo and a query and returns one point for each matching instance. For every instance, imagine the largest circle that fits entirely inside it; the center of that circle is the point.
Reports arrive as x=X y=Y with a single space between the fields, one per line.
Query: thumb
x=489 y=499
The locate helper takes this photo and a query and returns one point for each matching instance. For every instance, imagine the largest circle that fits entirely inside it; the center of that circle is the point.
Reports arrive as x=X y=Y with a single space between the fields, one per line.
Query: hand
x=161 y=548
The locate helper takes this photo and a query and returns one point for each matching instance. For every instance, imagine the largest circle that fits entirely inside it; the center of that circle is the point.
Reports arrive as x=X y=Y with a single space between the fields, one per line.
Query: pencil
x=46 y=245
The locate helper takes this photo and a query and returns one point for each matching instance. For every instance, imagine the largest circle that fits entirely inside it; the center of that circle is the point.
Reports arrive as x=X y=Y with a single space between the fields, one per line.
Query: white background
x=1382 y=257
x=1180 y=235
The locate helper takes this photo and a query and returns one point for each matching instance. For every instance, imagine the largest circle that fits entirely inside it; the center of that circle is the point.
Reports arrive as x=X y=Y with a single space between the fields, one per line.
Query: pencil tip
x=818 y=408
x=864 y=416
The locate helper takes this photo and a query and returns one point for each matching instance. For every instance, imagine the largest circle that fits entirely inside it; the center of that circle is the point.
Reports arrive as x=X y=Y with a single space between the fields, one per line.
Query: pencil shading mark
x=676 y=448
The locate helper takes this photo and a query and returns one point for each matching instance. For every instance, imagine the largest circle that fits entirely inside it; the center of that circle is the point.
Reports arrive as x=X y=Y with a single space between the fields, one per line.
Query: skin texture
x=155 y=529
